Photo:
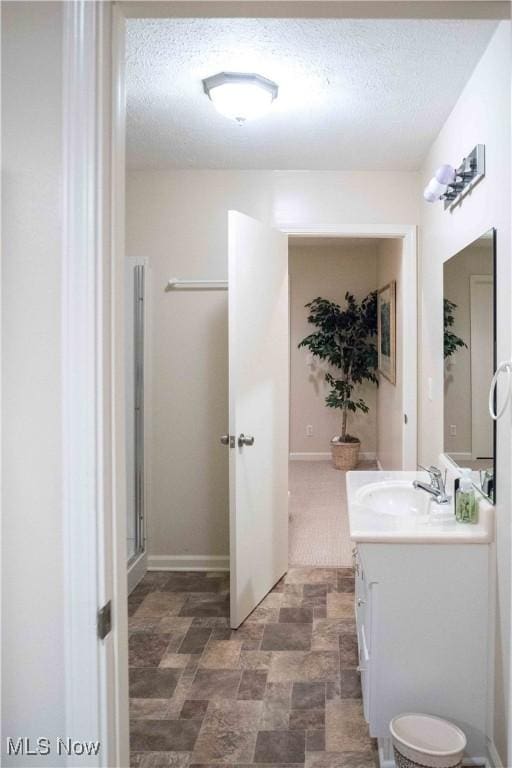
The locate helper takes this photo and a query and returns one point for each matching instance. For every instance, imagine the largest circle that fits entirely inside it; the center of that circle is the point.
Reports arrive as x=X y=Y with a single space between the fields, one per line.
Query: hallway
x=318 y=529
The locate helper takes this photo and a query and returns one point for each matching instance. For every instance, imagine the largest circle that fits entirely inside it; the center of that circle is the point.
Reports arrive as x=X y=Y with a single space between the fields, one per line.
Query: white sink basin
x=394 y=497
x=385 y=507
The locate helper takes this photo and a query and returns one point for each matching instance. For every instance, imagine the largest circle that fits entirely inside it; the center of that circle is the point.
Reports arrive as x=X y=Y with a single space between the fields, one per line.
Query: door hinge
x=105 y=620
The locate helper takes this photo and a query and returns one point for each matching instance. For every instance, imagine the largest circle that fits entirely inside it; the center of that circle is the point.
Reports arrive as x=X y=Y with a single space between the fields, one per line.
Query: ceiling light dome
x=240 y=96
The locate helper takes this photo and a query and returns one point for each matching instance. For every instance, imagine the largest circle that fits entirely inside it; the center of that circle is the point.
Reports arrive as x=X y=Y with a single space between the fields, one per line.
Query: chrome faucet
x=436 y=487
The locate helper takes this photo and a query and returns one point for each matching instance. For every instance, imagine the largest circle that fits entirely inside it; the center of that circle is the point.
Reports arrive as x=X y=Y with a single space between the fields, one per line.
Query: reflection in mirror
x=470 y=360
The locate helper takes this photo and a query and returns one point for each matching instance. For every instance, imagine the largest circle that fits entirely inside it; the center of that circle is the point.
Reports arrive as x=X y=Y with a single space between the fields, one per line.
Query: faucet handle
x=432 y=470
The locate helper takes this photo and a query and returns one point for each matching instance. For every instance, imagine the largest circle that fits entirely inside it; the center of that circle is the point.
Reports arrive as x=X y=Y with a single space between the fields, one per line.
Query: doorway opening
x=330 y=268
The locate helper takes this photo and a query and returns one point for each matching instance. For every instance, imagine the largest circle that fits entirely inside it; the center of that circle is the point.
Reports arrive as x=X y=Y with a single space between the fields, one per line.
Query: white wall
x=186 y=466
x=32 y=620
x=389 y=396
x=329 y=270
x=481 y=115
x=178 y=220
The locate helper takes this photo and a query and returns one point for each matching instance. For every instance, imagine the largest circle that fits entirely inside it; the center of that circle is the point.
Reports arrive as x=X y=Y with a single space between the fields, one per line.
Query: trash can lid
x=428 y=733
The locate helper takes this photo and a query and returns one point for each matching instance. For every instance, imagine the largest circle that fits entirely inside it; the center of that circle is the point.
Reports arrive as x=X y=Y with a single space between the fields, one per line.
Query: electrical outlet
x=309 y=430
x=453 y=430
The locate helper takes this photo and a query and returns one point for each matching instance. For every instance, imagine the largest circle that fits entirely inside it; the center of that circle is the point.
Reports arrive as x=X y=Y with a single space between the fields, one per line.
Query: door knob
x=228 y=440
x=245 y=440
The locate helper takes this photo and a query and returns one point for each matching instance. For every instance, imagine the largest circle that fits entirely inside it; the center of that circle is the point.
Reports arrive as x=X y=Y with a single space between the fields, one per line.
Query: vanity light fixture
x=451 y=184
x=240 y=96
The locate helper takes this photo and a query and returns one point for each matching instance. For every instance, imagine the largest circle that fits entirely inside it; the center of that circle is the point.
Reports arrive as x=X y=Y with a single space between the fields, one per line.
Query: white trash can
x=425 y=741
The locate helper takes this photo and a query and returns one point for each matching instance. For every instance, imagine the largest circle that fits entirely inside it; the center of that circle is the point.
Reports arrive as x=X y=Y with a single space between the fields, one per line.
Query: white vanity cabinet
x=422 y=624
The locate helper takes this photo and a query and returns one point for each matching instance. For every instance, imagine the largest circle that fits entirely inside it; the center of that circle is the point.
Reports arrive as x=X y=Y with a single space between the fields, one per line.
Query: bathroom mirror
x=469 y=325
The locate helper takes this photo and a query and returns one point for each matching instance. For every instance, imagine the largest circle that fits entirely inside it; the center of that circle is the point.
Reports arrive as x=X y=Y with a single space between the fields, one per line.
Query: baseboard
x=188 y=563
x=136 y=571
x=303 y=456
x=326 y=456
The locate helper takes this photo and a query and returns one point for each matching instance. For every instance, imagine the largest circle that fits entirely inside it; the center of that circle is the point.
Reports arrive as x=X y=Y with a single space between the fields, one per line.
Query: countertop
x=436 y=527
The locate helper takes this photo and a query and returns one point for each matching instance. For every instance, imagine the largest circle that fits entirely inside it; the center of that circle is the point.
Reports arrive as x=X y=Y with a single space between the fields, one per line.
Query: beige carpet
x=318 y=530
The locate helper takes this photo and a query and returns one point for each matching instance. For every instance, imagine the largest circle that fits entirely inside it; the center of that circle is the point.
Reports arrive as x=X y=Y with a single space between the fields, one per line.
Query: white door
x=258 y=409
x=482 y=362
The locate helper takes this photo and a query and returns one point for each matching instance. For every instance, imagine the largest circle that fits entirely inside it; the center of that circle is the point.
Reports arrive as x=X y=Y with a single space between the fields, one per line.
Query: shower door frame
x=138 y=375
x=137 y=562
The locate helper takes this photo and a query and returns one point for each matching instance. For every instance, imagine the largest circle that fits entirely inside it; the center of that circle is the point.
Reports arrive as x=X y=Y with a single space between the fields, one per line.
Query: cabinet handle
x=355 y=560
x=360 y=601
x=360 y=669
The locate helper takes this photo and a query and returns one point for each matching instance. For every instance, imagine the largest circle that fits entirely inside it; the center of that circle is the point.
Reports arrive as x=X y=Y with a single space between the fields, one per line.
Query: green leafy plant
x=345 y=339
x=451 y=341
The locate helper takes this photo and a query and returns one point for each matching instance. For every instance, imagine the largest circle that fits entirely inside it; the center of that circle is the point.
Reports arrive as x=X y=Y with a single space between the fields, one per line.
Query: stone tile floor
x=282 y=690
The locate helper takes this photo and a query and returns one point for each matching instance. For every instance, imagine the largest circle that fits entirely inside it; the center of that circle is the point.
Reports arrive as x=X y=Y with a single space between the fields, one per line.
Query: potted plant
x=451 y=341
x=345 y=339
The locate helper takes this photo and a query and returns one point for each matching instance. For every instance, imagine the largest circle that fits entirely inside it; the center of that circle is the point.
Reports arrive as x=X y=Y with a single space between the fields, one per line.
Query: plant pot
x=345 y=456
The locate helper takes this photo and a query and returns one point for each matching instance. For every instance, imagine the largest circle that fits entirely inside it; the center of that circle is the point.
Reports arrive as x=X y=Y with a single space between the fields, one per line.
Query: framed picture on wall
x=386 y=325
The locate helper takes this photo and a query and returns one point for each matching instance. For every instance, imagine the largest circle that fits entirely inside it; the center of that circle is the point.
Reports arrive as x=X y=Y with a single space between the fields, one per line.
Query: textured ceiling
x=354 y=95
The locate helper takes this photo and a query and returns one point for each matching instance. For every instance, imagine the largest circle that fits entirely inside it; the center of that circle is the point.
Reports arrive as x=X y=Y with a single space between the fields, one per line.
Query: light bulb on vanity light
x=445 y=174
x=434 y=190
x=429 y=196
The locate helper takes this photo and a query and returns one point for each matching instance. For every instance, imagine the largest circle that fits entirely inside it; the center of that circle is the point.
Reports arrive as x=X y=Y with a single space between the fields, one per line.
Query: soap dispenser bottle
x=466 y=508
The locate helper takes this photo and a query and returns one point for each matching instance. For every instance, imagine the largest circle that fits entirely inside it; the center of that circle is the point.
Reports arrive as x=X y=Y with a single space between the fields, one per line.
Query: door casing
x=94 y=519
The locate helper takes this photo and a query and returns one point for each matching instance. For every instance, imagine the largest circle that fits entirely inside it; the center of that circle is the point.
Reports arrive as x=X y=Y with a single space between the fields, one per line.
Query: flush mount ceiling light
x=240 y=96
x=451 y=184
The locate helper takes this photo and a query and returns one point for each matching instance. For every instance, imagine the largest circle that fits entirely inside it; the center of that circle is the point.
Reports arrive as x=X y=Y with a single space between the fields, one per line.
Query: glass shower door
x=135 y=410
